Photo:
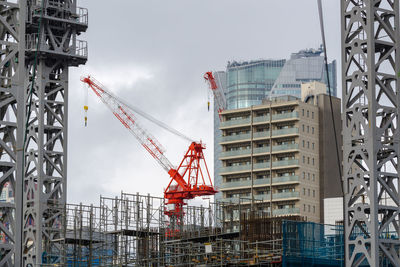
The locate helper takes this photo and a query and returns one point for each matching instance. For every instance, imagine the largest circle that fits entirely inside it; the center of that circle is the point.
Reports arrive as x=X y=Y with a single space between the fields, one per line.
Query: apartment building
x=270 y=156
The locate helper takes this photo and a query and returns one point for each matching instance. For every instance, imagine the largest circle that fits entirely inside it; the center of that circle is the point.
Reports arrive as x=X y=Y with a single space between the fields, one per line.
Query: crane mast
x=191 y=179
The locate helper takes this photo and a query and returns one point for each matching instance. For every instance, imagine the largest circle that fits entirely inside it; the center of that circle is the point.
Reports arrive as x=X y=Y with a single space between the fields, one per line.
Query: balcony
x=234 y=153
x=259 y=150
x=284 y=195
x=240 y=168
x=236 y=184
x=287 y=211
x=285 y=179
x=263 y=197
x=264 y=134
x=285 y=147
x=261 y=165
x=260 y=182
x=264 y=181
x=283 y=116
x=264 y=118
x=237 y=137
x=231 y=123
x=289 y=162
x=286 y=131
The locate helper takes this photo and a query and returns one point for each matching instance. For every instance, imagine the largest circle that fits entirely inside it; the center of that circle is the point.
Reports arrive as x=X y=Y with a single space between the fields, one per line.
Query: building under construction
x=133 y=230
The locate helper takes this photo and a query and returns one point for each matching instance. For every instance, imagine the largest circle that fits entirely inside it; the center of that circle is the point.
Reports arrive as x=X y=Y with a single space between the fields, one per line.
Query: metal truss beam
x=370 y=71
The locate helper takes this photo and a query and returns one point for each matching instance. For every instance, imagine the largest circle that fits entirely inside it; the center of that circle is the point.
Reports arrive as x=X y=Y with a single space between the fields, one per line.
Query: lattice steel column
x=12 y=70
x=55 y=24
x=370 y=67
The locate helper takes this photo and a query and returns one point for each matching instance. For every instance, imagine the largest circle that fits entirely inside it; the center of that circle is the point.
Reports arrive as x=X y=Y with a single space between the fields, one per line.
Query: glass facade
x=249 y=82
x=304 y=66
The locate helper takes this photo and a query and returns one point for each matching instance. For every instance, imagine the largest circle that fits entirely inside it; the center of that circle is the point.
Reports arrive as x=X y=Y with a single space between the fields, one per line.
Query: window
x=308 y=113
x=312 y=130
x=304 y=159
x=308 y=160
x=303 y=111
x=313 y=209
x=304 y=191
x=309 y=208
x=308 y=191
x=304 y=175
x=308 y=176
x=312 y=115
x=308 y=144
x=312 y=145
x=313 y=161
x=313 y=193
x=308 y=129
x=304 y=207
x=303 y=143
x=313 y=177
x=303 y=127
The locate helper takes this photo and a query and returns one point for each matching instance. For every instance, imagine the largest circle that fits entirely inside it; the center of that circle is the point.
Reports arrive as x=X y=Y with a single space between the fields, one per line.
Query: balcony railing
x=246 y=183
x=261 y=165
x=285 y=163
x=234 y=153
x=286 y=131
x=237 y=137
x=258 y=150
x=77 y=49
x=284 y=179
x=286 y=195
x=235 y=168
x=285 y=147
x=286 y=211
x=258 y=182
x=263 y=134
x=235 y=122
x=79 y=15
x=264 y=118
x=290 y=115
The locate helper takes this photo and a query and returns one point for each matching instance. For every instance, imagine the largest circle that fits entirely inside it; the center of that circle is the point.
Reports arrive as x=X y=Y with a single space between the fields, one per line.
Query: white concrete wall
x=333 y=208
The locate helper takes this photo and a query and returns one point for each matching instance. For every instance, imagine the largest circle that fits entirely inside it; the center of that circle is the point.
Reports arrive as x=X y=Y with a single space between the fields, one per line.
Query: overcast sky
x=153 y=54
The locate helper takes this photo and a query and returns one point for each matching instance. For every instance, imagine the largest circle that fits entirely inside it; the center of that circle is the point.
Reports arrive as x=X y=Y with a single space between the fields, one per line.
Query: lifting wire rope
x=321 y=20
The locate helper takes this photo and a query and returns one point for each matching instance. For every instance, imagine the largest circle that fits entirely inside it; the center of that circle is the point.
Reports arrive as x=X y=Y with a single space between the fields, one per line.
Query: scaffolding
x=132 y=230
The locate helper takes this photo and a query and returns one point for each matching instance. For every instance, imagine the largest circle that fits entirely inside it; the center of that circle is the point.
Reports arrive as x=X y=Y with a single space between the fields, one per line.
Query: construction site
x=275 y=163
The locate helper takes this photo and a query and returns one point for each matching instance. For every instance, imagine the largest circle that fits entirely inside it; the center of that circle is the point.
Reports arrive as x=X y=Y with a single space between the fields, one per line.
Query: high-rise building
x=272 y=155
x=247 y=83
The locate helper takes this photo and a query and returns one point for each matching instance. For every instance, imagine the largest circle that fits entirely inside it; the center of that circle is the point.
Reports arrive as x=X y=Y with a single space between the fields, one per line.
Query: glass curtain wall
x=248 y=83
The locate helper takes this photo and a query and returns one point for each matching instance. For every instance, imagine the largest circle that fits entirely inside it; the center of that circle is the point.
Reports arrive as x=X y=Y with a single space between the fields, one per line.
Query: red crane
x=216 y=89
x=189 y=180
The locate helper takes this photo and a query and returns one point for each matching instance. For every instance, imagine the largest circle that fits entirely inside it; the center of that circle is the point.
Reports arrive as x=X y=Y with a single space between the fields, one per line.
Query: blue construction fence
x=312 y=244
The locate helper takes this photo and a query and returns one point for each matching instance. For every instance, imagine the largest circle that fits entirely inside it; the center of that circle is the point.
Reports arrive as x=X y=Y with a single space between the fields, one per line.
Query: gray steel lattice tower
x=46 y=30
x=370 y=66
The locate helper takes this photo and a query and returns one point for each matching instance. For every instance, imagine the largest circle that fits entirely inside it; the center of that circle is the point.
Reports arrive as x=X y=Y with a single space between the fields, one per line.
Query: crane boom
x=215 y=86
x=125 y=115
